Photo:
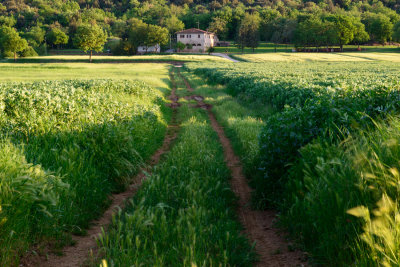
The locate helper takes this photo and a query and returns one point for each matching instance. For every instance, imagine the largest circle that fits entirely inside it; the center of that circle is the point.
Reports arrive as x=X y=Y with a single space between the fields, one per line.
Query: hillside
x=55 y=23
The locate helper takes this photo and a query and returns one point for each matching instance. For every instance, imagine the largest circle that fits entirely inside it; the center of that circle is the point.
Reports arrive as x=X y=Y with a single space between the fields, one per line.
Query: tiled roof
x=193 y=30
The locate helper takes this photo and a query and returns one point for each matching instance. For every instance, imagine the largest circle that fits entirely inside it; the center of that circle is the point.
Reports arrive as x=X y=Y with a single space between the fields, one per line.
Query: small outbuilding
x=148 y=49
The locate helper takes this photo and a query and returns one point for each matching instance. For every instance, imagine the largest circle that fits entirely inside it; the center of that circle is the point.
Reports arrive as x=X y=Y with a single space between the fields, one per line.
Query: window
x=182 y=36
x=199 y=35
x=189 y=36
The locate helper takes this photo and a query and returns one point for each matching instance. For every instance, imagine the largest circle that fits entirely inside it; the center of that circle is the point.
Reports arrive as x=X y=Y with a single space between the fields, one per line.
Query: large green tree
x=249 y=31
x=90 y=37
x=378 y=26
x=345 y=29
x=10 y=41
x=35 y=36
x=219 y=27
x=57 y=37
x=155 y=35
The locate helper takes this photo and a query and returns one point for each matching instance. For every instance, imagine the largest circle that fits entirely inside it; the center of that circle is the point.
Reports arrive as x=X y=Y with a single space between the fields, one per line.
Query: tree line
x=318 y=23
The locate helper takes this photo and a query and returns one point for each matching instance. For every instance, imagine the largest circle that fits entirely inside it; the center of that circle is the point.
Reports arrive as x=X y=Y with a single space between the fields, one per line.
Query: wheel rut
x=85 y=247
x=271 y=247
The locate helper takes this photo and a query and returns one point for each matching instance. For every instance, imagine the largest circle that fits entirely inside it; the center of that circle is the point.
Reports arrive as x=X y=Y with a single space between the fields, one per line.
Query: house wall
x=200 y=41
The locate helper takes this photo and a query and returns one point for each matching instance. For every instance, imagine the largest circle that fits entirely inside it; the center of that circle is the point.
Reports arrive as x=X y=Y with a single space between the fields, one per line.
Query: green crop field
x=327 y=149
x=317 y=136
x=65 y=146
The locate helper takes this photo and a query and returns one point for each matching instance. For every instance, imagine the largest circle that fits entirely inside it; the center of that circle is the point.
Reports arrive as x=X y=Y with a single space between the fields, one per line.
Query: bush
x=28 y=52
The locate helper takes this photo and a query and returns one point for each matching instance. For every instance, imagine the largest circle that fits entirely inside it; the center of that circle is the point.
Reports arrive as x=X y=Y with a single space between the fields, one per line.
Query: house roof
x=193 y=30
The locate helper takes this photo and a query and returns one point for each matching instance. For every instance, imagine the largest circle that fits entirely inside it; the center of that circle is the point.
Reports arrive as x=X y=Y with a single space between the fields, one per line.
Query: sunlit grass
x=323 y=57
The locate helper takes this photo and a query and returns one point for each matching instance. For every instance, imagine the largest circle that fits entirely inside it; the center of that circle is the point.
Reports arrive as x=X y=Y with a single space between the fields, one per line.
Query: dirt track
x=271 y=247
x=86 y=246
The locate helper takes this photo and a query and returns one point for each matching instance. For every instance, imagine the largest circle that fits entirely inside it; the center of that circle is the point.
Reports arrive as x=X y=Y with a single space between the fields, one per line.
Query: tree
x=219 y=27
x=57 y=37
x=10 y=41
x=137 y=32
x=35 y=36
x=90 y=37
x=345 y=29
x=308 y=32
x=155 y=35
x=173 y=24
x=378 y=26
x=282 y=30
x=248 y=33
x=360 y=35
x=180 y=46
x=396 y=32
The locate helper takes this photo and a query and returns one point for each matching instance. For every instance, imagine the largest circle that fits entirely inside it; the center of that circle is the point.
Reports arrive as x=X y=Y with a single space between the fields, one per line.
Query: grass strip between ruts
x=184 y=214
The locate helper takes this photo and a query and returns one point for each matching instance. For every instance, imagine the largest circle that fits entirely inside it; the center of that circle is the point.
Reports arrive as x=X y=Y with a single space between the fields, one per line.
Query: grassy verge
x=183 y=215
x=64 y=147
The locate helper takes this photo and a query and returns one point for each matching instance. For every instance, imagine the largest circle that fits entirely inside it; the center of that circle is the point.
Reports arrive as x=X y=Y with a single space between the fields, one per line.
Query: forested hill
x=275 y=20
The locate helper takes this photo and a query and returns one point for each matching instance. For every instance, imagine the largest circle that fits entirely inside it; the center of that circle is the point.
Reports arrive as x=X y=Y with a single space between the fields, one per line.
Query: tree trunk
x=275 y=48
x=90 y=58
x=341 y=48
x=15 y=57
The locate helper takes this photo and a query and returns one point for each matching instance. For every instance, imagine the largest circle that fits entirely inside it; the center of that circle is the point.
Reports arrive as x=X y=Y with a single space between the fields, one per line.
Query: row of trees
x=89 y=38
x=323 y=30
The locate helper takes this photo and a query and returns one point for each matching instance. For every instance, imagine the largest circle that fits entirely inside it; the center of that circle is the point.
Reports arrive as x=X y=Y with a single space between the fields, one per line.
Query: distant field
x=327 y=57
x=153 y=74
x=119 y=59
x=270 y=48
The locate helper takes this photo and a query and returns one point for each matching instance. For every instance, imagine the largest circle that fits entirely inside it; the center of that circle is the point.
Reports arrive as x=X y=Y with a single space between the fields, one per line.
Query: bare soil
x=85 y=248
x=271 y=246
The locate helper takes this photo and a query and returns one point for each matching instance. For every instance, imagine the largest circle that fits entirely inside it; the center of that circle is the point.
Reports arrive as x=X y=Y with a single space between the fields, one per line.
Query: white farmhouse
x=196 y=40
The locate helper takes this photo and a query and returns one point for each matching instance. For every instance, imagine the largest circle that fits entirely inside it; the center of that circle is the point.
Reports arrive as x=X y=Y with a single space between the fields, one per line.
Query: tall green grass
x=65 y=146
x=332 y=182
x=183 y=215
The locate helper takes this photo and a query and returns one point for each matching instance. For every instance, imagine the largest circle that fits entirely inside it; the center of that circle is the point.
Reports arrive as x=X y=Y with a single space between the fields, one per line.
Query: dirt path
x=258 y=225
x=78 y=254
